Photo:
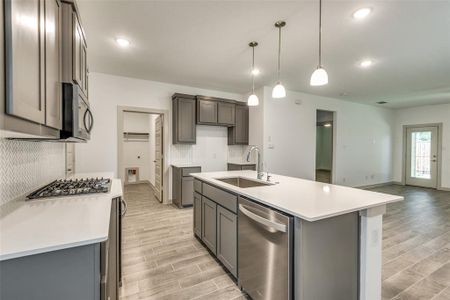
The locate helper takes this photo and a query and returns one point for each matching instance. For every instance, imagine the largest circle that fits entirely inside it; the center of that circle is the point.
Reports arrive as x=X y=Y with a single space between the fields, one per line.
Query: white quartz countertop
x=241 y=163
x=308 y=200
x=44 y=225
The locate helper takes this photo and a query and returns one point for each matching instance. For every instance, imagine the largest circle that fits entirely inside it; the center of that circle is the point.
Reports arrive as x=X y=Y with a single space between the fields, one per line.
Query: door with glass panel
x=422 y=156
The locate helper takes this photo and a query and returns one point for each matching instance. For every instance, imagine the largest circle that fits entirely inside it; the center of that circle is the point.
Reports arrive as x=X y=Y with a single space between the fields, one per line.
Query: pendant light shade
x=253 y=99
x=319 y=76
x=279 y=91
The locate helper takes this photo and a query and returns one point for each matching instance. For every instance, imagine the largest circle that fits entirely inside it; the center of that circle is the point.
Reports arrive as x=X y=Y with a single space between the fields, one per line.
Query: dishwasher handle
x=261 y=220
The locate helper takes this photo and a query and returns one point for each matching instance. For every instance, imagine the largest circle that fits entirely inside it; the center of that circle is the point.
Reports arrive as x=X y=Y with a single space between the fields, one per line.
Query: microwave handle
x=91 y=121
x=91 y=118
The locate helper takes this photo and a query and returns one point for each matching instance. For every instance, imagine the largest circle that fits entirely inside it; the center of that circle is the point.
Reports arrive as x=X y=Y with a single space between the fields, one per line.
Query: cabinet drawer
x=197 y=186
x=188 y=171
x=221 y=197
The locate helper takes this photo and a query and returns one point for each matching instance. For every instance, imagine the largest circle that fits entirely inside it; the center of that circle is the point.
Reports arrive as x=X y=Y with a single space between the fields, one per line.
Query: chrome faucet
x=259 y=165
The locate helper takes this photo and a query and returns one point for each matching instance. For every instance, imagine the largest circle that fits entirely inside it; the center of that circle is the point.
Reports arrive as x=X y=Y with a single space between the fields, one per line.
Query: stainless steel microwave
x=78 y=120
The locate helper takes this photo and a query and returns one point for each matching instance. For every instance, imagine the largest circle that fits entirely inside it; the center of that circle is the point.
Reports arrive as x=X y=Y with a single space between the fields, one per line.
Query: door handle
x=261 y=220
x=124 y=205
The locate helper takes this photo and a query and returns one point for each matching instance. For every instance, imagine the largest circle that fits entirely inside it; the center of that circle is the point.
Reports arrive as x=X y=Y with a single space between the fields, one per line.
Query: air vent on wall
x=381 y=102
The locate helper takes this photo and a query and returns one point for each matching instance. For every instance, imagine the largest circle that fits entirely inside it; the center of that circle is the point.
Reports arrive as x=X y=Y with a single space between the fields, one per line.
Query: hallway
x=161 y=257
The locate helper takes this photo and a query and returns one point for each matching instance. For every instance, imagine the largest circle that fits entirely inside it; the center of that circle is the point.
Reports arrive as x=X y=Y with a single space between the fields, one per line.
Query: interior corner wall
x=107 y=92
x=364 y=137
x=422 y=115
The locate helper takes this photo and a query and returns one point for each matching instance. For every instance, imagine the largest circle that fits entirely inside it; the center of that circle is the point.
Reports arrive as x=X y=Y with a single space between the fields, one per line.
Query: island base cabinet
x=209 y=224
x=198 y=215
x=227 y=239
x=326 y=258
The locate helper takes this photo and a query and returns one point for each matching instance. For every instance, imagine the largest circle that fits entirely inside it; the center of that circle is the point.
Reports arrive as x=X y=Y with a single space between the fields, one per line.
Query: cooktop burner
x=70 y=187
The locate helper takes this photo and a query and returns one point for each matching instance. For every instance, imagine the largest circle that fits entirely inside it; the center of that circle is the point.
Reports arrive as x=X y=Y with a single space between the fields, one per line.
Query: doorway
x=325 y=128
x=422 y=156
x=142 y=149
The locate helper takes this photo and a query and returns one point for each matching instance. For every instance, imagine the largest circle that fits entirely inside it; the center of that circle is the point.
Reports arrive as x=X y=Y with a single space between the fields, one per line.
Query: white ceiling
x=205 y=44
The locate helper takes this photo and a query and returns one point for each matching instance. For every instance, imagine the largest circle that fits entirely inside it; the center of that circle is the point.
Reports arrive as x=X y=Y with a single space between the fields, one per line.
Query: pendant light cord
x=253 y=69
x=320 y=33
x=279 y=52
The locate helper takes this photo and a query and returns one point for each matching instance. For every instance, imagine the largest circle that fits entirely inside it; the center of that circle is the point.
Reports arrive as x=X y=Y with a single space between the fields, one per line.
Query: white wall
x=363 y=137
x=423 y=115
x=136 y=154
x=106 y=92
x=152 y=143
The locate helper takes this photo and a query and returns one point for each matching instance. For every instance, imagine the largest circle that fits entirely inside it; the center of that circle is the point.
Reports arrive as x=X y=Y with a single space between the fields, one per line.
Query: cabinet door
x=241 y=128
x=226 y=113
x=53 y=64
x=76 y=51
x=206 y=112
x=24 y=53
x=184 y=121
x=209 y=224
x=83 y=75
x=187 y=196
x=227 y=239
x=198 y=215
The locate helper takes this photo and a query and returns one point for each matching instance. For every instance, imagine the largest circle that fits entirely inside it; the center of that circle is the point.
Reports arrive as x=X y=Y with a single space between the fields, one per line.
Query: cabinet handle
x=125 y=207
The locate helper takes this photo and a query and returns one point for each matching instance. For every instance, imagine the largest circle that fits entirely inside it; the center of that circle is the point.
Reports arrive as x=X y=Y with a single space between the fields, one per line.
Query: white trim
x=166 y=145
x=440 y=127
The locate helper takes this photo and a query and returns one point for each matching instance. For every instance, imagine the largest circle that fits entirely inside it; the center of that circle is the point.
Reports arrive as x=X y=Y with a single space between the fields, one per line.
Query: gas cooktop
x=71 y=187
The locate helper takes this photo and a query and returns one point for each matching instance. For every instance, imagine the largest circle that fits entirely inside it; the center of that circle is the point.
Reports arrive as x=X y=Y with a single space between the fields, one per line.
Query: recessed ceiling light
x=122 y=42
x=366 y=63
x=327 y=125
x=362 y=13
x=255 y=71
x=381 y=102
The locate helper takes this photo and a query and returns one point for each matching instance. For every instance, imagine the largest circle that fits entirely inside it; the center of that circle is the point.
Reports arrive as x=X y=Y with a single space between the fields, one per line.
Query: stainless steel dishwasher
x=265 y=258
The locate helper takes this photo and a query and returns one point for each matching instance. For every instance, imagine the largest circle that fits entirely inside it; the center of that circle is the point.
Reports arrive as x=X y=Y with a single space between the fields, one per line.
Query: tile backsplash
x=25 y=166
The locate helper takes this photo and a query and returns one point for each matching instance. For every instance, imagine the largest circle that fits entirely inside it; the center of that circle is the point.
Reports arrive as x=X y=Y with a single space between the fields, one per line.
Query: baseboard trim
x=371 y=186
x=445 y=189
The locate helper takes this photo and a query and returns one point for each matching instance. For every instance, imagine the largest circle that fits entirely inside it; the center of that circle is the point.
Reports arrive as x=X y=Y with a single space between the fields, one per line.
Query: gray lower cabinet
x=241 y=167
x=215 y=223
x=239 y=133
x=198 y=215
x=227 y=239
x=183 y=119
x=183 y=185
x=89 y=272
x=209 y=224
x=206 y=111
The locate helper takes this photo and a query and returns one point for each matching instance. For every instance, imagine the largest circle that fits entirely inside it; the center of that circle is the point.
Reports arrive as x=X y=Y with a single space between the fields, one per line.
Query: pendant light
x=253 y=99
x=279 y=91
x=319 y=76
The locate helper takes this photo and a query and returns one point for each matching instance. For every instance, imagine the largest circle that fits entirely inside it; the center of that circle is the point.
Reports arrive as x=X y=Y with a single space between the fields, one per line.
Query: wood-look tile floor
x=162 y=259
x=416 y=244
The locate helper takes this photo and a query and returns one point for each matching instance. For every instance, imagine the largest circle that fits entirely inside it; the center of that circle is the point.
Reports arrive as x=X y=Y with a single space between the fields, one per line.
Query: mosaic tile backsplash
x=25 y=166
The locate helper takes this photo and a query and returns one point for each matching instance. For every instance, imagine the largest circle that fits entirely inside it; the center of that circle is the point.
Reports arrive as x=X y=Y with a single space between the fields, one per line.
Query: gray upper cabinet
x=32 y=62
x=227 y=239
x=226 y=113
x=206 y=111
x=209 y=224
x=53 y=64
x=24 y=55
x=183 y=118
x=238 y=134
x=74 y=48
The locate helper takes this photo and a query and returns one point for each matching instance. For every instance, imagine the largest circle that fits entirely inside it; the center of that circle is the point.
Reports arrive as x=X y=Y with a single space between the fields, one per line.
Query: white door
x=159 y=159
x=422 y=156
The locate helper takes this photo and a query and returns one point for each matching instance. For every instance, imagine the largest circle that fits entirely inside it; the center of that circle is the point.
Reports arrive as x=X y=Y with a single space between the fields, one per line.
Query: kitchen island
x=292 y=238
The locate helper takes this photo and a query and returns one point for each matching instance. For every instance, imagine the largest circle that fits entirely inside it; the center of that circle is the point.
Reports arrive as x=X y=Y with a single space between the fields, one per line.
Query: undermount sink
x=244 y=182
